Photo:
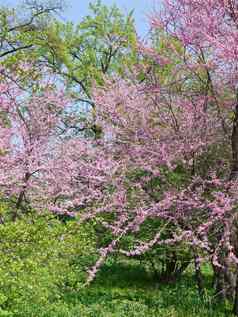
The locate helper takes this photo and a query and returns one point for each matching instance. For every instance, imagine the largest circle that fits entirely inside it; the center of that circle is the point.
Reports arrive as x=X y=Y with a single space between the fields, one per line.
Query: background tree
x=20 y=41
x=103 y=43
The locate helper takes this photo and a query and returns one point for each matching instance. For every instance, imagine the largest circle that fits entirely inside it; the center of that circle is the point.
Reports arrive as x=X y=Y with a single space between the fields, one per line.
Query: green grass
x=126 y=290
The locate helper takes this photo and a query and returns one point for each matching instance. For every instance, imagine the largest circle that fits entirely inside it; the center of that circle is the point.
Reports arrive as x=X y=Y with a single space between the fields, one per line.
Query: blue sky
x=78 y=8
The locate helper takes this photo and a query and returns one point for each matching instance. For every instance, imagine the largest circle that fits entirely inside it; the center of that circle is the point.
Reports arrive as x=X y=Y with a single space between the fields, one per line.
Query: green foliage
x=40 y=257
x=23 y=36
x=104 y=42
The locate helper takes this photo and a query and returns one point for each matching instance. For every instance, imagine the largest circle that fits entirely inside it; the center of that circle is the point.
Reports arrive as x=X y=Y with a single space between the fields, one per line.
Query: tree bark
x=234 y=144
x=235 y=307
x=198 y=274
x=21 y=197
x=234 y=176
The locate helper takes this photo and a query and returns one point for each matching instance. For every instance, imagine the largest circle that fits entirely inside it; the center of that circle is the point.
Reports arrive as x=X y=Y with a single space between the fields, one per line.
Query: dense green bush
x=41 y=257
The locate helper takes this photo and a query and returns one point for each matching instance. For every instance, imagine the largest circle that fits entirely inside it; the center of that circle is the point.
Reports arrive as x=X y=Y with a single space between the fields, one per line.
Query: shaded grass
x=127 y=290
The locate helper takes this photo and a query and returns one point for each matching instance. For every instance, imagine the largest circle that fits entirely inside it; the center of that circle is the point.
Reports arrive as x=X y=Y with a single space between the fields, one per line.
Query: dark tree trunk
x=219 y=284
x=234 y=144
x=21 y=197
x=198 y=275
x=235 y=307
x=234 y=176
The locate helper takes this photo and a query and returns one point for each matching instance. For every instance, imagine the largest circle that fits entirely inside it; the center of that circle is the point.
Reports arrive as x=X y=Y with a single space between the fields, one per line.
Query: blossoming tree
x=164 y=172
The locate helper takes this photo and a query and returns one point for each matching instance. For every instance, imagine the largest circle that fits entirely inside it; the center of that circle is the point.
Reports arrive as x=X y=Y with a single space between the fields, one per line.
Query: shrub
x=39 y=258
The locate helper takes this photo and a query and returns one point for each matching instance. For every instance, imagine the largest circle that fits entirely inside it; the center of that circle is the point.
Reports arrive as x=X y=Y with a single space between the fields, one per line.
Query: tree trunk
x=234 y=144
x=20 y=197
x=219 y=284
x=235 y=307
x=198 y=275
x=234 y=176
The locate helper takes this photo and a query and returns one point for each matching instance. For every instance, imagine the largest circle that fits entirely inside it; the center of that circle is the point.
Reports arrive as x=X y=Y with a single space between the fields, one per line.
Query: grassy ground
x=123 y=290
